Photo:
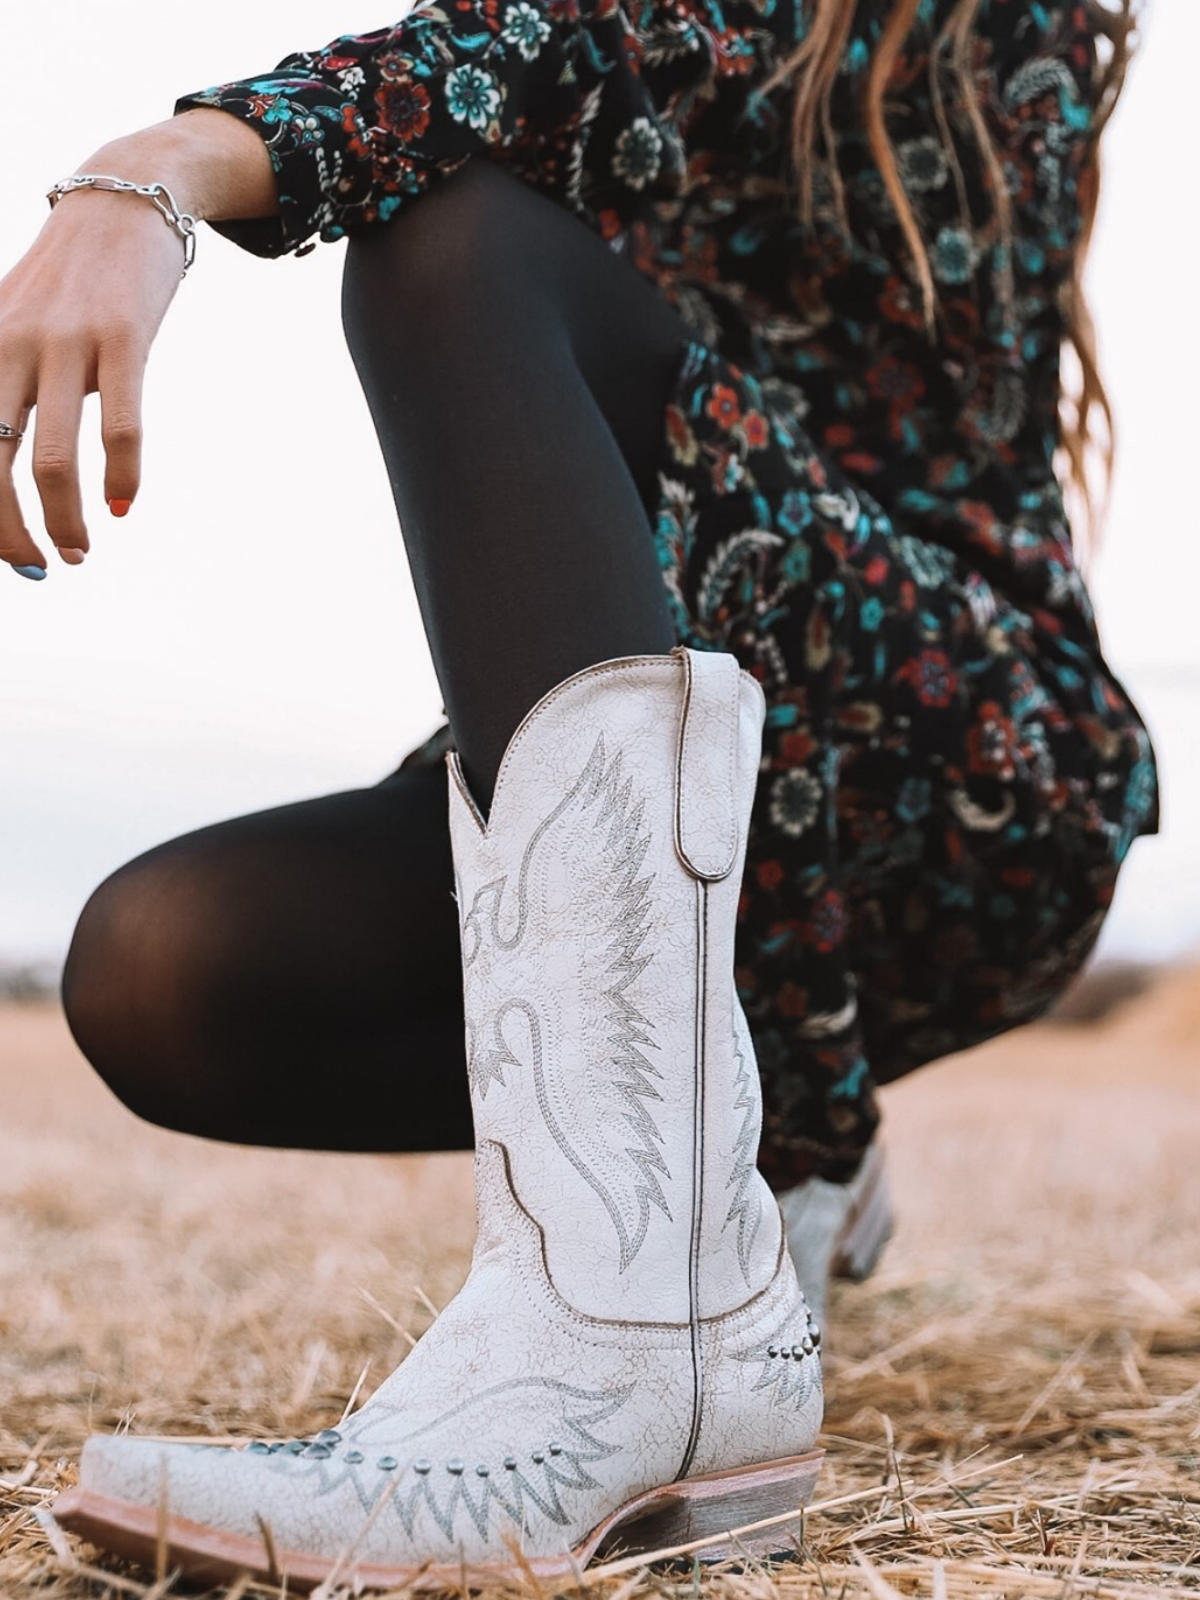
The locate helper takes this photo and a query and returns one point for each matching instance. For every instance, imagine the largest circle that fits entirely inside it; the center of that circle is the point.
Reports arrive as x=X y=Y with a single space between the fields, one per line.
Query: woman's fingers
x=62 y=384
x=16 y=541
x=119 y=375
x=61 y=387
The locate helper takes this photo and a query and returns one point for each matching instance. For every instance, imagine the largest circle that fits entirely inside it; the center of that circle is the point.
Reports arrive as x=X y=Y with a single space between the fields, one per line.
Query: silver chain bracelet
x=183 y=222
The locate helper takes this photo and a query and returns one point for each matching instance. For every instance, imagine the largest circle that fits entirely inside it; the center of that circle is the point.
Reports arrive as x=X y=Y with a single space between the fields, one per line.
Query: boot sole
x=702 y=1508
x=868 y=1227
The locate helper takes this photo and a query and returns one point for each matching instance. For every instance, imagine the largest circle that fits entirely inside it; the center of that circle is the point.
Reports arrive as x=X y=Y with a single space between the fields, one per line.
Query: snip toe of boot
x=200 y=1482
x=122 y=1468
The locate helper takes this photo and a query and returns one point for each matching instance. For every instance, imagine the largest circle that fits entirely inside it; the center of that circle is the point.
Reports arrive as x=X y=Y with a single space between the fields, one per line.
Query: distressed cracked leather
x=631 y=1315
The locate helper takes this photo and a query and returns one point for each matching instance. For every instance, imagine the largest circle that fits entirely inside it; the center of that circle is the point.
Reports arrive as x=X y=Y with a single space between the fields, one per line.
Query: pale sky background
x=248 y=635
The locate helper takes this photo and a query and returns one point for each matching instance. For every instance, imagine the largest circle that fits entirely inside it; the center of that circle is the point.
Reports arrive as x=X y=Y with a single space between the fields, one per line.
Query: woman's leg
x=517 y=372
x=293 y=977
x=287 y=978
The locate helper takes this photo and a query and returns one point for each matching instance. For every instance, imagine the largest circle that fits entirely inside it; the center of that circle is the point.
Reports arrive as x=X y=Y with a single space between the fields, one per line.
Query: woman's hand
x=79 y=312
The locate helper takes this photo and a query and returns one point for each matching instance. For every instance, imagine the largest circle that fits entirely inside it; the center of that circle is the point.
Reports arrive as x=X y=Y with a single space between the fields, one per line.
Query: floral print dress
x=864 y=512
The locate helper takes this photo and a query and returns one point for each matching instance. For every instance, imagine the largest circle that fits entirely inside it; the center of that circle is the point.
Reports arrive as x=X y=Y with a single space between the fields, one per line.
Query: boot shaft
x=606 y=1049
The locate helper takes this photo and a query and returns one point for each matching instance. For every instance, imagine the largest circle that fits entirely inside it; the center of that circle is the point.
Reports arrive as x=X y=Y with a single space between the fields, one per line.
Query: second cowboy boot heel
x=630 y=1358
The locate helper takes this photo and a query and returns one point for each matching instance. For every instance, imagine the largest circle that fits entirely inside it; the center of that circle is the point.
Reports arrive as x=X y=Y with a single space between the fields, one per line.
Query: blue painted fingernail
x=31 y=572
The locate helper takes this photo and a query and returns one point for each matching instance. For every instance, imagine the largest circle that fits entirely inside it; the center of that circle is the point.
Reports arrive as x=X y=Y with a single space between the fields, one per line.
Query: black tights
x=292 y=977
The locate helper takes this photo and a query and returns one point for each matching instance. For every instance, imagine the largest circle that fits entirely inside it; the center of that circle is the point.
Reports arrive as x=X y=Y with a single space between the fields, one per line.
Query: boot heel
x=710 y=1507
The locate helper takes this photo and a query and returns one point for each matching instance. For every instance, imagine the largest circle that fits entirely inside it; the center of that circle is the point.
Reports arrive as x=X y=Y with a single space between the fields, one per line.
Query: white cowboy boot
x=630 y=1350
x=838 y=1230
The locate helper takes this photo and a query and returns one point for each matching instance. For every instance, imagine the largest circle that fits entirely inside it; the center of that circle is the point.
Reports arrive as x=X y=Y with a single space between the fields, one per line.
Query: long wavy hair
x=1086 y=432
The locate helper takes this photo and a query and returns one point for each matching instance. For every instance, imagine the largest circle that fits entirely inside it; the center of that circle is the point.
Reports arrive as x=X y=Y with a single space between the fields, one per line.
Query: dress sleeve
x=570 y=93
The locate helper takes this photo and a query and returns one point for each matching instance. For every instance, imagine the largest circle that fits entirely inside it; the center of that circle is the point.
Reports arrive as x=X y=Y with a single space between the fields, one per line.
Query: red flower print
x=1017 y=878
x=838 y=435
x=352 y=123
x=992 y=742
x=931 y=676
x=755 y=430
x=836 y=542
x=876 y=570
x=981 y=520
x=403 y=108
x=677 y=428
x=1048 y=621
x=723 y=406
x=770 y=875
x=734 y=55
x=900 y=303
x=796 y=747
x=826 y=928
x=862 y=715
x=259 y=104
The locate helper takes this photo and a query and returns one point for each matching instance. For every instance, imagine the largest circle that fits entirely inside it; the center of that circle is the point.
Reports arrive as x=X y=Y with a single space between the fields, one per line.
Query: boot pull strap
x=706 y=809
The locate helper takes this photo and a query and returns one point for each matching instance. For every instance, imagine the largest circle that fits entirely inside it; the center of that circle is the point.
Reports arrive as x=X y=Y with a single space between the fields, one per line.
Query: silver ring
x=7 y=431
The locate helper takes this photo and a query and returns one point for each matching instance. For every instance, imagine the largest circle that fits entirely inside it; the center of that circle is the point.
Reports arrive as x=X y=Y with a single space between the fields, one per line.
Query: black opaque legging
x=292 y=977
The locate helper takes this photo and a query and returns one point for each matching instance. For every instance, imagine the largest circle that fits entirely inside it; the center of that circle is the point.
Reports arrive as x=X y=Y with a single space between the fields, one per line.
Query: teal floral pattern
x=863 y=510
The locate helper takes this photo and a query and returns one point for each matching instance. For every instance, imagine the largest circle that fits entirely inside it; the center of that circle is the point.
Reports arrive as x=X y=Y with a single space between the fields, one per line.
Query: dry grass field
x=1014 y=1400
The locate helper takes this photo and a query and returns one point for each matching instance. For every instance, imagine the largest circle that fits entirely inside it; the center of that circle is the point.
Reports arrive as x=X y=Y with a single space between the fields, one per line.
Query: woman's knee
x=138 y=977
x=449 y=256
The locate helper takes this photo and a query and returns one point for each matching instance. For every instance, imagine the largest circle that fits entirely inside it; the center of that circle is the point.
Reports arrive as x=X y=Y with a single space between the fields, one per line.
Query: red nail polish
x=119 y=507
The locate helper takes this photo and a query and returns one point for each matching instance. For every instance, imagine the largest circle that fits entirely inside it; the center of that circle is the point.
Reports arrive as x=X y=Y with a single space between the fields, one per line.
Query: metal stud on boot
x=630 y=1354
